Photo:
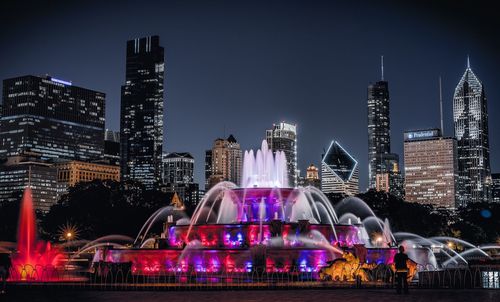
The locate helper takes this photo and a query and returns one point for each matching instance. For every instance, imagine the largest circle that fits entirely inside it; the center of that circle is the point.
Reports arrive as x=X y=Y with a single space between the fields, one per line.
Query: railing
x=120 y=277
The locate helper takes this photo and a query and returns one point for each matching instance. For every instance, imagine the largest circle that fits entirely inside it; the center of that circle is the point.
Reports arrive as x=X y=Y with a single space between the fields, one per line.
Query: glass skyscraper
x=283 y=137
x=470 y=116
x=339 y=171
x=51 y=117
x=141 y=122
x=379 y=133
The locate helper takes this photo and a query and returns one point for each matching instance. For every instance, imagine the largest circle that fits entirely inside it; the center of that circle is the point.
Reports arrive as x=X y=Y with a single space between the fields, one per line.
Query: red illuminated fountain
x=34 y=260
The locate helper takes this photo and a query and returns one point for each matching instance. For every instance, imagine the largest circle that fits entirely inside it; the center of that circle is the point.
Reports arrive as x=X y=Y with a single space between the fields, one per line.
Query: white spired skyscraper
x=470 y=116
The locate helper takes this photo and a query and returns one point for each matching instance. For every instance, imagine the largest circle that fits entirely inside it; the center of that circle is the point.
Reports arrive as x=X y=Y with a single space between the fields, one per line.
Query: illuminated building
x=312 y=177
x=379 y=131
x=178 y=167
x=430 y=168
x=470 y=116
x=226 y=162
x=208 y=168
x=19 y=171
x=141 y=122
x=178 y=171
x=112 y=147
x=51 y=117
x=495 y=192
x=339 y=171
x=390 y=179
x=283 y=137
x=72 y=172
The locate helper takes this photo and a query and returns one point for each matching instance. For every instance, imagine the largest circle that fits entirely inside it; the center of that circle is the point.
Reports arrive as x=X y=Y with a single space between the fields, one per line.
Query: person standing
x=5 y=265
x=400 y=260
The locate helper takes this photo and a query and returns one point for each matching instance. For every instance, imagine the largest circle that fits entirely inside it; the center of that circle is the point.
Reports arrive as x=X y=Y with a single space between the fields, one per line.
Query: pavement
x=291 y=295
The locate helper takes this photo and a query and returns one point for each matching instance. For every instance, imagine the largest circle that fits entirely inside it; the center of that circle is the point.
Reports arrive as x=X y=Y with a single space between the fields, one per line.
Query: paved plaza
x=365 y=295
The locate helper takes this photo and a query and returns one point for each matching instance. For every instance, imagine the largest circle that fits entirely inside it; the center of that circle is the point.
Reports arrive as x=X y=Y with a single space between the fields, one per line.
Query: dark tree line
x=477 y=223
x=100 y=208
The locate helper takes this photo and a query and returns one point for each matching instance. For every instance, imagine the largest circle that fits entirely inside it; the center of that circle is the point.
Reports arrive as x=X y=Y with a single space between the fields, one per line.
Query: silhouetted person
x=5 y=265
x=401 y=270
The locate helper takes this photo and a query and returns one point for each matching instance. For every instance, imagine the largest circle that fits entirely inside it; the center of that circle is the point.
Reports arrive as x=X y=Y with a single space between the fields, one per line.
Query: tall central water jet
x=264 y=170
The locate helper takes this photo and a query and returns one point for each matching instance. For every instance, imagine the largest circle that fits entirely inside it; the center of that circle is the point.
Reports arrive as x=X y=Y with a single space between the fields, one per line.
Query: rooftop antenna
x=468 y=62
x=441 y=106
x=382 y=66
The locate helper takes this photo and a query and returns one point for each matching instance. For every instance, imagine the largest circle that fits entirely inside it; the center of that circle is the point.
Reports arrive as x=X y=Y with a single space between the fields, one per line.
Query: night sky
x=237 y=67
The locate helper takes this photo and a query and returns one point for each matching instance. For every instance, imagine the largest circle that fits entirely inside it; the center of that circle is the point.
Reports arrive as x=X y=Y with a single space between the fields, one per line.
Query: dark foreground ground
x=364 y=295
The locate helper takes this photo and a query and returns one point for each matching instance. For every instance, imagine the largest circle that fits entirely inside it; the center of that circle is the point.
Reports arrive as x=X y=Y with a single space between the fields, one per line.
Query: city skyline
x=332 y=80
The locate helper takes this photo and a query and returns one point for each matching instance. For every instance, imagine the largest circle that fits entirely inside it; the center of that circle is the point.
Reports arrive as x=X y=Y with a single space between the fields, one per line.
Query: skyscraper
x=495 y=191
x=25 y=169
x=391 y=179
x=178 y=170
x=379 y=131
x=178 y=167
x=112 y=147
x=430 y=168
x=208 y=168
x=141 y=122
x=339 y=171
x=283 y=137
x=226 y=162
x=51 y=117
x=470 y=116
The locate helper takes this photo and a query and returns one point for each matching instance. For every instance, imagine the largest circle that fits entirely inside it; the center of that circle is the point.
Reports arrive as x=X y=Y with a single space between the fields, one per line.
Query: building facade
x=379 y=131
x=339 y=171
x=51 y=117
x=178 y=167
x=312 y=177
x=69 y=173
x=112 y=147
x=226 y=162
x=470 y=116
x=390 y=179
x=141 y=122
x=430 y=168
x=28 y=169
x=283 y=137
x=495 y=191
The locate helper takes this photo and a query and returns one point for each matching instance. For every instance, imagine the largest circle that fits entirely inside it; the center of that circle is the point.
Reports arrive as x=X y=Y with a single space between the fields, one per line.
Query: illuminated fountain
x=34 y=260
x=263 y=226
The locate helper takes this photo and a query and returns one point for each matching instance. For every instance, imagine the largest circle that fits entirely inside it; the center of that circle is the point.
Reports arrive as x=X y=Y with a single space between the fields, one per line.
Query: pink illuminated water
x=32 y=254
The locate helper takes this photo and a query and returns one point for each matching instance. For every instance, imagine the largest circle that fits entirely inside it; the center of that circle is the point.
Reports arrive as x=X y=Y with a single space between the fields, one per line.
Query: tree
x=100 y=208
x=405 y=216
x=9 y=215
x=479 y=223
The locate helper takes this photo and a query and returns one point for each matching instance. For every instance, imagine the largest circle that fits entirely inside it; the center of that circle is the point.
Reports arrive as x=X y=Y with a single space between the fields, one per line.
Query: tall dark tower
x=141 y=122
x=379 y=133
x=470 y=116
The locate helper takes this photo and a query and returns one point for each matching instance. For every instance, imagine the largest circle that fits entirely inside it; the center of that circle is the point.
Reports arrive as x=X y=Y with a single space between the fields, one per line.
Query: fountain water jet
x=30 y=252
